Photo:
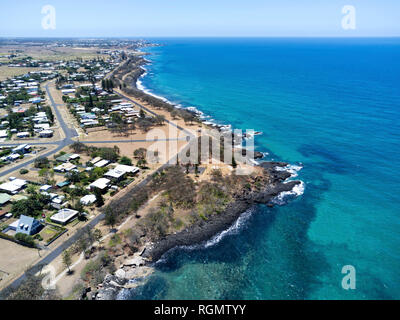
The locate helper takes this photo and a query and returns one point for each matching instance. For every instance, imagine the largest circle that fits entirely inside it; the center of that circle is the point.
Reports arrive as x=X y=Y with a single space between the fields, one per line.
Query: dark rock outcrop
x=205 y=230
x=257 y=154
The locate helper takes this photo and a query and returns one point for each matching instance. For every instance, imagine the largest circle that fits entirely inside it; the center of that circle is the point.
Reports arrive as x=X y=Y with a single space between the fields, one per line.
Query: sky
x=199 y=18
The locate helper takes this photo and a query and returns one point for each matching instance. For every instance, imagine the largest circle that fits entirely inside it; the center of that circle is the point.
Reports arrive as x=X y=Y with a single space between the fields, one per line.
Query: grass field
x=6 y=72
x=49 y=53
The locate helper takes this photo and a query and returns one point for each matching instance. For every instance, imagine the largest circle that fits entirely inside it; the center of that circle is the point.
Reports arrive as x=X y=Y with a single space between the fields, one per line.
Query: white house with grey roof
x=64 y=216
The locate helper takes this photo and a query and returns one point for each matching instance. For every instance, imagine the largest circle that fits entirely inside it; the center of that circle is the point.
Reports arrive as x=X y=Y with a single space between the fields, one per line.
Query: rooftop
x=101 y=163
x=101 y=183
x=13 y=186
x=64 y=215
x=4 y=198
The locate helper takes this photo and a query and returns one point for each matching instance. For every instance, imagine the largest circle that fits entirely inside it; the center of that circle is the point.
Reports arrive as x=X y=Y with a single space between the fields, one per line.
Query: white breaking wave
x=254 y=162
x=297 y=191
x=141 y=87
x=234 y=229
x=206 y=119
x=292 y=169
x=283 y=197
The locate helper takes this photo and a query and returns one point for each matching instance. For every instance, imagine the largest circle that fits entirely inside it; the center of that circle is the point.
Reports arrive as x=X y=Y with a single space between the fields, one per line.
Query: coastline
x=136 y=77
x=281 y=185
x=135 y=270
x=205 y=230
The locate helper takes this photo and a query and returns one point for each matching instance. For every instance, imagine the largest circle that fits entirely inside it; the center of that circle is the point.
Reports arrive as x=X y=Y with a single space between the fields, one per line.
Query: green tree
x=140 y=153
x=90 y=105
x=160 y=119
x=174 y=114
x=142 y=163
x=110 y=217
x=67 y=260
x=25 y=238
x=42 y=162
x=234 y=163
x=78 y=147
x=97 y=235
x=99 y=197
x=74 y=177
x=126 y=161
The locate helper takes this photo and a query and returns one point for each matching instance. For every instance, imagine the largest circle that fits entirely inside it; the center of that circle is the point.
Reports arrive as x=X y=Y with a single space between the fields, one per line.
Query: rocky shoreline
x=134 y=270
x=205 y=230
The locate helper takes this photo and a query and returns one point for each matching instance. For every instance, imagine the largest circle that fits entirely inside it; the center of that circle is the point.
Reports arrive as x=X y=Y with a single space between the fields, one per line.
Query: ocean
x=328 y=106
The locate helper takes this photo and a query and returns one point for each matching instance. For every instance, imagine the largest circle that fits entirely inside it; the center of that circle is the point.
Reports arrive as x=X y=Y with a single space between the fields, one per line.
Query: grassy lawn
x=47 y=233
x=50 y=232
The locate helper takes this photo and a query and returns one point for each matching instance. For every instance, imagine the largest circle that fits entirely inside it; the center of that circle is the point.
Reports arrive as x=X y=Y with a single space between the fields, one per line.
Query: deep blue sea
x=331 y=105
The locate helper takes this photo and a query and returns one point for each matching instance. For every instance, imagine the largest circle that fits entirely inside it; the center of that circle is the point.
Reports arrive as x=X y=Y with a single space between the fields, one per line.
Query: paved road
x=56 y=252
x=190 y=135
x=65 y=245
x=90 y=142
x=70 y=133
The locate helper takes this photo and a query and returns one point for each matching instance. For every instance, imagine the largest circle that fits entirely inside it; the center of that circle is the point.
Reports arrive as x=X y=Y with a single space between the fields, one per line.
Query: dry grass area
x=192 y=127
x=50 y=53
x=7 y=72
x=14 y=259
x=33 y=176
x=127 y=149
x=167 y=131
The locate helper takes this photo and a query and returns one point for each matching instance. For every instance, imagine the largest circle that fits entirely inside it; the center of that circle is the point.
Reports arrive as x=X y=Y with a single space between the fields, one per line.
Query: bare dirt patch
x=14 y=259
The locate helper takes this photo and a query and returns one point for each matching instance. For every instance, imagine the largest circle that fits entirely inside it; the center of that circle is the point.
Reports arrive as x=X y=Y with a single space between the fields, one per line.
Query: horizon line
x=210 y=37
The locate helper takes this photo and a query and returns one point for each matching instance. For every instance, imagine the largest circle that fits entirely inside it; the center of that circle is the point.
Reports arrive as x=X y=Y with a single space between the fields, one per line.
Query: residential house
x=3 y=133
x=102 y=184
x=101 y=164
x=21 y=149
x=68 y=157
x=45 y=188
x=22 y=135
x=95 y=160
x=14 y=186
x=64 y=216
x=88 y=200
x=27 y=225
x=119 y=172
x=65 y=167
x=46 y=134
x=4 y=199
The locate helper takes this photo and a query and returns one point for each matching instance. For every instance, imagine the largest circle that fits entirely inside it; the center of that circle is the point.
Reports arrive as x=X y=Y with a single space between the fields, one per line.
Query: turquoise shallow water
x=332 y=105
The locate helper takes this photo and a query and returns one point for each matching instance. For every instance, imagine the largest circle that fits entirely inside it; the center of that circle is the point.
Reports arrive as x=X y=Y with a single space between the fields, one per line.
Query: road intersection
x=70 y=135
